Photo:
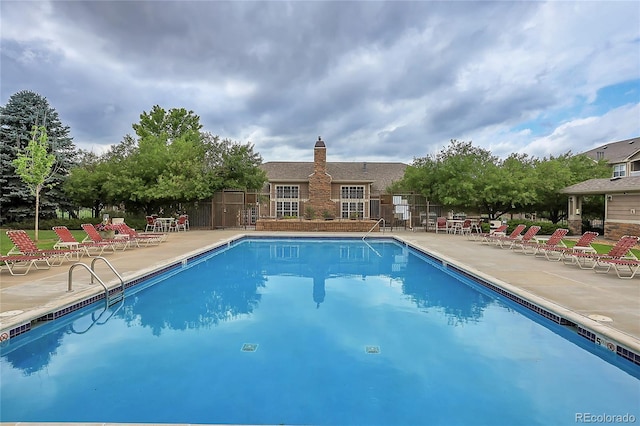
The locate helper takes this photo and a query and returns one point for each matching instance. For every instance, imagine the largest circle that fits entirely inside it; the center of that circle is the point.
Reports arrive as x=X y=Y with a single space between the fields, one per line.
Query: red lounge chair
x=633 y=265
x=498 y=232
x=137 y=238
x=23 y=244
x=527 y=238
x=620 y=251
x=537 y=248
x=583 y=245
x=66 y=239
x=94 y=236
x=508 y=239
x=25 y=262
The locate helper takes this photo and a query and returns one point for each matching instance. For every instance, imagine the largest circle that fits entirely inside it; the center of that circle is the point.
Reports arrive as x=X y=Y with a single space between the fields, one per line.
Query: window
x=599 y=155
x=352 y=202
x=619 y=170
x=353 y=192
x=352 y=210
x=286 y=208
x=287 y=191
x=287 y=200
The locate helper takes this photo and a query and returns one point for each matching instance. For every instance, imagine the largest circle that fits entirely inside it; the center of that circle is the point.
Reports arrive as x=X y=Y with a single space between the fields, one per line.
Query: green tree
x=554 y=173
x=170 y=163
x=419 y=177
x=512 y=186
x=22 y=111
x=84 y=186
x=464 y=177
x=161 y=166
x=233 y=164
x=35 y=166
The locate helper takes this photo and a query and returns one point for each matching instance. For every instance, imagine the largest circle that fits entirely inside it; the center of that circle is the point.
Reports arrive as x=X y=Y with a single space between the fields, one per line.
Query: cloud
x=385 y=81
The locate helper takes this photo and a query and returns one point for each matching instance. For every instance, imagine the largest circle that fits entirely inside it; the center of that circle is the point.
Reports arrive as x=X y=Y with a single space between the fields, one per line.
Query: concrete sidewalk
x=600 y=302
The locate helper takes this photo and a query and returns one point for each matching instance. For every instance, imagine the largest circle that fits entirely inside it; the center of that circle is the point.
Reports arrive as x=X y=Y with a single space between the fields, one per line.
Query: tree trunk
x=37 y=211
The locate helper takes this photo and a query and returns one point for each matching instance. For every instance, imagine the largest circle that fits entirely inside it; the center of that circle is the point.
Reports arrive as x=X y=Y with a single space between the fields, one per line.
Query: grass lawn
x=601 y=248
x=46 y=238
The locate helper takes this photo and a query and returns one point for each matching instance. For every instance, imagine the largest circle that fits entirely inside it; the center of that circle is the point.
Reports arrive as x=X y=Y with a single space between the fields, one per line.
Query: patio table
x=454 y=225
x=165 y=223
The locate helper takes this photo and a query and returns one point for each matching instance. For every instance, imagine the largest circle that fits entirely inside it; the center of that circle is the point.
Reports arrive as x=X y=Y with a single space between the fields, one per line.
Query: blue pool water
x=305 y=331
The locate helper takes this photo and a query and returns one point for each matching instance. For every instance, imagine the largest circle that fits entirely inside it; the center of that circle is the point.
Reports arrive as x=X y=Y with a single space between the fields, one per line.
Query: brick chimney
x=320 y=157
x=320 y=181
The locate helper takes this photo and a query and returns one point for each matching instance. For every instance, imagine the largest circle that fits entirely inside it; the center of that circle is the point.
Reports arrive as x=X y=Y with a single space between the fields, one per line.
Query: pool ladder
x=370 y=230
x=374 y=227
x=118 y=296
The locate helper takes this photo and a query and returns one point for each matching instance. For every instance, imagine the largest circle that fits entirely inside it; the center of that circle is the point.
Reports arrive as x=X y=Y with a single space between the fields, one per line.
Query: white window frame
x=619 y=170
x=352 y=199
x=287 y=200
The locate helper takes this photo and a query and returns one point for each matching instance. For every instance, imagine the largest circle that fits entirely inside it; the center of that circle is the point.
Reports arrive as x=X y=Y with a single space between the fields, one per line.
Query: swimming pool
x=316 y=332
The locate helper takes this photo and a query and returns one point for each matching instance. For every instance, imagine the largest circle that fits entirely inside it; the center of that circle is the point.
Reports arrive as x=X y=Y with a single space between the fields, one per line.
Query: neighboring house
x=330 y=189
x=621 y=190
x=623 y=156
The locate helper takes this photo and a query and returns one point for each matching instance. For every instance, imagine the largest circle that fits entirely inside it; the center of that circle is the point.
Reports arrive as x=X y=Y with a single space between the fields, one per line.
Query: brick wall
x=575 y=227
x=297 y=225
x=613 y=231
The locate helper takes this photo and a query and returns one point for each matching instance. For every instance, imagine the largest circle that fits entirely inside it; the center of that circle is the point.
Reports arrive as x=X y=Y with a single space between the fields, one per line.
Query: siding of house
x=623 y=215
x=624 y=207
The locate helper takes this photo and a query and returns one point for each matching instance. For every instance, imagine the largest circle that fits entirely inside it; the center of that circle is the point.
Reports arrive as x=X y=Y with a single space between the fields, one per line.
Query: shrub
x=546 y=227
x=309 y=213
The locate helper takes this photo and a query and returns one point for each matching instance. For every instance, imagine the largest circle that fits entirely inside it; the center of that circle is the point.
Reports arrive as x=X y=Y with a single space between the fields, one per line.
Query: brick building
x=322 y=188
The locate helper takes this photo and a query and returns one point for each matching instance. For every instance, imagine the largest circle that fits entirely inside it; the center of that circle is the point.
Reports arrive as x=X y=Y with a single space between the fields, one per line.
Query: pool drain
x=249 y=347
x=372 y=349
x=599 y=318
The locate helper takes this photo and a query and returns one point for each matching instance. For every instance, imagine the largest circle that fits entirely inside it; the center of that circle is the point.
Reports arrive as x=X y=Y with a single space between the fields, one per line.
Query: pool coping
x=616 y=341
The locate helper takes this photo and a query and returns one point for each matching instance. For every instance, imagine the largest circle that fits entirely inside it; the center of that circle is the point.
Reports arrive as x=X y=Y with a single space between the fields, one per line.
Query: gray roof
x=605 y=186
x=616 y=152
x=380 y=175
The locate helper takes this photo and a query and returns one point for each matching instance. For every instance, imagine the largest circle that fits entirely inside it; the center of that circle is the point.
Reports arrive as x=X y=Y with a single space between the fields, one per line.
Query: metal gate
x=406 y=210
x=227 y=209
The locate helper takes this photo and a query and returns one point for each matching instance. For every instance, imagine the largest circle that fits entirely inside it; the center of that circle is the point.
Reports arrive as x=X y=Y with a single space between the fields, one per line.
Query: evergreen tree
x=23 y=111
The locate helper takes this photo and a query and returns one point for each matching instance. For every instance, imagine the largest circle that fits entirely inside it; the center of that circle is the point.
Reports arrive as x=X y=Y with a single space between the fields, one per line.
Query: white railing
x=374 y=227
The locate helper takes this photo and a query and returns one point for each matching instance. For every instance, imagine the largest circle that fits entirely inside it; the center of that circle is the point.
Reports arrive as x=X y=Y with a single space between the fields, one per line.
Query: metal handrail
x=374 y=227
x=93 y=275
x=93 y=262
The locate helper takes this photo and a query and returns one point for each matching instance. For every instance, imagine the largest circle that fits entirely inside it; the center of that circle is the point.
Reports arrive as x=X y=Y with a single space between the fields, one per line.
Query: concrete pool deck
x=602 y=303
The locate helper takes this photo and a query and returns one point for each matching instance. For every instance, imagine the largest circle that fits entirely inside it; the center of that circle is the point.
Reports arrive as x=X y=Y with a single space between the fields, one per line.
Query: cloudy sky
x=379 y=81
